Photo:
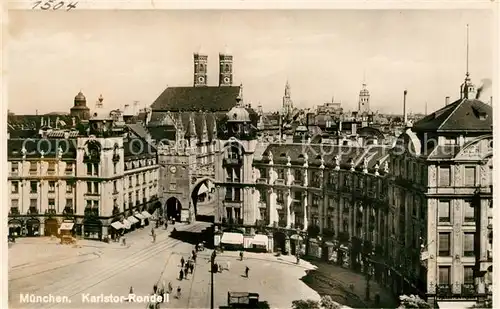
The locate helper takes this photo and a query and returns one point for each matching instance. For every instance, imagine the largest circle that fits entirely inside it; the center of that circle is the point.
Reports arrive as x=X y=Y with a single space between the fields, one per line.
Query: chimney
x=405 y=117
x=446 y=101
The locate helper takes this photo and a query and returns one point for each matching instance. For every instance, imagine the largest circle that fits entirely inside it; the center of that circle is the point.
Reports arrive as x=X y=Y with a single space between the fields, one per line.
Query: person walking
x=130 y=293
x=181 y=275
x=178 y=291
x=191 y=267
x=241 y=255
x=170 y=288
x=182 y=262
x=246 y=271
x=166 y=224
x=194 y=258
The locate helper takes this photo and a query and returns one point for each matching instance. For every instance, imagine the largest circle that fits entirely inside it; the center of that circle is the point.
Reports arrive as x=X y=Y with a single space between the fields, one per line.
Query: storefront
x=92 y=229
x=260 y=243
x=232 y=241
x=51 y=227
x=15 y=227
x=146 y=216
x=32 y=227
x=134 y=222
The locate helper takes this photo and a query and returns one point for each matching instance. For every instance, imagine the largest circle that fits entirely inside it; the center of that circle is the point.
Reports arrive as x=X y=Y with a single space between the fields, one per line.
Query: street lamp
x=212 y=263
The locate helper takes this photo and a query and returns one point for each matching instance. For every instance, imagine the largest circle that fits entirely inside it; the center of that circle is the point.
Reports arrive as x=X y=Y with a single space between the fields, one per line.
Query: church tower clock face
x=226 y=80
x=201 y=79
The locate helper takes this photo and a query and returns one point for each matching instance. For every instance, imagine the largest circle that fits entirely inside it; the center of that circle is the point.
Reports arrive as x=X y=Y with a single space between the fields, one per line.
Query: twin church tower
x=225 y=69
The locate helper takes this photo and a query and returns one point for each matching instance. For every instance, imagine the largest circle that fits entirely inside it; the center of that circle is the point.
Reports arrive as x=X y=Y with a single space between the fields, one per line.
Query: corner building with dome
x=416 y=216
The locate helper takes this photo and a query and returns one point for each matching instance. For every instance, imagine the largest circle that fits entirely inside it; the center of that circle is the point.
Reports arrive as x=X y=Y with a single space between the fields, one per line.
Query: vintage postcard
x=327 y=158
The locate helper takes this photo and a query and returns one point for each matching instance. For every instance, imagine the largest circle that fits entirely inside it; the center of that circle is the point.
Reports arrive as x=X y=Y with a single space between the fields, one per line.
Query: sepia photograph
x=304 y=159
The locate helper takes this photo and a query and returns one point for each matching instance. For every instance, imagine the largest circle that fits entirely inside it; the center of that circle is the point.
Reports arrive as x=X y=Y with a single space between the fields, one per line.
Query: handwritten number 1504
x=49 y=4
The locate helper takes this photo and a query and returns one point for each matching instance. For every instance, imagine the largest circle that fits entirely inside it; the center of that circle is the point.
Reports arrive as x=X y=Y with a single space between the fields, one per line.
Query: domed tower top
x=80 y=99
x=239 y=113
x=80 y=108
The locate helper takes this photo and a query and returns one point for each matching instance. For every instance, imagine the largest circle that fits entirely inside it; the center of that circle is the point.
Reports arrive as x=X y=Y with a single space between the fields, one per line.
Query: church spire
x=239 y=98
x=467 y=89
x=287 y=89
x=214 y=127
x=287 y=101
x=191 y=133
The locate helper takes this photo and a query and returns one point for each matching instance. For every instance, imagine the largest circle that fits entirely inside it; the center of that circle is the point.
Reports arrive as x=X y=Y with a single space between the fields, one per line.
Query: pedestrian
x=246 y=271
x=193 y=253
x=228 y=265
x=166 y=224
x=182 y=262
x=124 y=241
x=298 y=259
x=179 y=291
x=181 y=275
x=154 y=238
x=191 y=268
x=241 y=255
x=170 y=288
x=155 y=289
x=196 y=247
x=186 y=271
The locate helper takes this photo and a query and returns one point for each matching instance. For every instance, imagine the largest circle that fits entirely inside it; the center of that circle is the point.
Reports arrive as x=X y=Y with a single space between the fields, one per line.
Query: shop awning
x=203 y=189
x=145 y=214
x=455 y=304
x=260 y=240
x=132 y=220
x=14 y=223
x=139 y=216
x=232 y=239
x=117 y=225
x=126 y=224
x=66 y=226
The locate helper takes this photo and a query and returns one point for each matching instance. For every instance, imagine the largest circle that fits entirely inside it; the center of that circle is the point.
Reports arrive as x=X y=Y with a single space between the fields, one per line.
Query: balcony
x=33 y=172
x=50 y=211
x=14 y=173
x=68 y=210
x=232 y=161
x=280 y=182
x=51 y=172
x=32 y=211
x=468 y=290
x=14 y=211
x=68 y=172
x=297 y=183
x=262 y=180
x=444 y=291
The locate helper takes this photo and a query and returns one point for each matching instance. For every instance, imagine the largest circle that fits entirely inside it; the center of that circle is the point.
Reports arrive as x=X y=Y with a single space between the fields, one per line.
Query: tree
x=412 y=301
x=328 y=303
x=305 y=304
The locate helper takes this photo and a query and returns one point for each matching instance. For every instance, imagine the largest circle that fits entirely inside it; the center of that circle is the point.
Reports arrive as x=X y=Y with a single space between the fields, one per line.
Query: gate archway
x=173 y=209
x=202 y=197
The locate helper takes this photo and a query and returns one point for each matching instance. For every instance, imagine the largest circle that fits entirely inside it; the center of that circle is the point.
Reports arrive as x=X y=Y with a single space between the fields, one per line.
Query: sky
x=132 y=56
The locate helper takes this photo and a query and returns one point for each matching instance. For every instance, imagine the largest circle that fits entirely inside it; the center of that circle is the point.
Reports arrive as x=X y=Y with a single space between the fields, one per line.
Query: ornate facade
x=90 y=177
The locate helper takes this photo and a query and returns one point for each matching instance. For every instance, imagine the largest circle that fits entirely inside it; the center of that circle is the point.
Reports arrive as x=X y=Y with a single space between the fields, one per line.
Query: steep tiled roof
x=139 y=130
x=461 y=115
x=135 y=148
x=444 y=152
x=296 y=152
x=34 y=146
x=197 y=98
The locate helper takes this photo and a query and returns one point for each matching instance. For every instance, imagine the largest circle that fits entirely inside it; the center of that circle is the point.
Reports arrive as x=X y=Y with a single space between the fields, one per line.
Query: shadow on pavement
x=205 y=218
x=195 y=237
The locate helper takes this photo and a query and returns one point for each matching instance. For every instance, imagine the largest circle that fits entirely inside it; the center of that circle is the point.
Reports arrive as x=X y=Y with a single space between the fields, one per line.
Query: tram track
x=106 y=272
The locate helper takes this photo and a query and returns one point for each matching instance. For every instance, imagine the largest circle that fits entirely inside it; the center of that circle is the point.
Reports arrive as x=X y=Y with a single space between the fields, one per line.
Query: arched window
x=234 y=152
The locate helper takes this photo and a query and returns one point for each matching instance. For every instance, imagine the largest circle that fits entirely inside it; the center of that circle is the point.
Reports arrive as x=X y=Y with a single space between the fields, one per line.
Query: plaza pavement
x=41 y=266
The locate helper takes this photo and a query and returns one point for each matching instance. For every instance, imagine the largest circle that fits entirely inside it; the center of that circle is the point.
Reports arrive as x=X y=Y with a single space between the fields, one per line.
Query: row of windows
x=410 y=170
x=33 y=208
x=444 y=277
x=444 y=244
x=445 y=209
x=469 y=172
x=33 y=170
